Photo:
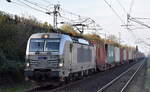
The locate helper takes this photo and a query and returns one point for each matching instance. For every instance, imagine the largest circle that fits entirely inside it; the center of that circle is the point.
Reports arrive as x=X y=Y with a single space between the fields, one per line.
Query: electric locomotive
x=58 y=57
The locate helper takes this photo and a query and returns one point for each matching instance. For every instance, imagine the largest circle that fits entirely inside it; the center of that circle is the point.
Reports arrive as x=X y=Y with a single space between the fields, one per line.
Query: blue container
x=110 y=54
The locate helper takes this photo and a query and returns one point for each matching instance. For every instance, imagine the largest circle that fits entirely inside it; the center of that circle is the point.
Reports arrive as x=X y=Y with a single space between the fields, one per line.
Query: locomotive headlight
x=46 y=36
x=27 y=64
x=60 y=64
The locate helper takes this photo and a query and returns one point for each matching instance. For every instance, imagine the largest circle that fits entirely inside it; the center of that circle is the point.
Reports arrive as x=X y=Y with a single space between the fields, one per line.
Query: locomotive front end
x=43 y=57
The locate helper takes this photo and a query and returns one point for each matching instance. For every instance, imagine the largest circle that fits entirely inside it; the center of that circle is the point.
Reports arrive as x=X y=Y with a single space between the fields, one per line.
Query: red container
x=121 y=55
x=100 y=56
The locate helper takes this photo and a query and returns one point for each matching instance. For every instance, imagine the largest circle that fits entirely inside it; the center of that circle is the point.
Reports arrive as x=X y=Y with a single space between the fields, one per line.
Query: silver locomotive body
x=58 y=56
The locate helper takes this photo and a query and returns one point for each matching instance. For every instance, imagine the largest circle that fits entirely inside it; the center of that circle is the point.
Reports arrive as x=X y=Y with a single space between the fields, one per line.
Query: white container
x=130 y=55
x=124 y=55
x=117 y=54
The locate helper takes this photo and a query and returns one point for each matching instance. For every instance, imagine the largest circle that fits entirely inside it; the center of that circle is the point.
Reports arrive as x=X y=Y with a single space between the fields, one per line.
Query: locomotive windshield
x=52 y=45
x=36 y=45
x=44 y=45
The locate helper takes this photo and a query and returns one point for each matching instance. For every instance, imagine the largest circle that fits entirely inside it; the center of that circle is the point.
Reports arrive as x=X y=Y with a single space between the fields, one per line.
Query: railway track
x=120 y=83
x=51 y=88
x=106 y=88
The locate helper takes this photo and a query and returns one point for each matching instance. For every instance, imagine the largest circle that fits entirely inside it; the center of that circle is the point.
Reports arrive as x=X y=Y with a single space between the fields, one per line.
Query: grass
x=16 y=88
x=147 y=80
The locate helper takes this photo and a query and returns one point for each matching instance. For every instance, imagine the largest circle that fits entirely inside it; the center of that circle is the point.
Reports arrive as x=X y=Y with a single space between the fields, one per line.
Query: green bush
x=14 y=34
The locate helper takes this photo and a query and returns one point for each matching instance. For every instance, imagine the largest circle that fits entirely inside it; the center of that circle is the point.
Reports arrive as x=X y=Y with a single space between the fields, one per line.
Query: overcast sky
x=99 y=11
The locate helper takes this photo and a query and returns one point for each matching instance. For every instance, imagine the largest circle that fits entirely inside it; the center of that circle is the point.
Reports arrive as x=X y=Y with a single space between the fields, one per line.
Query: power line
x=142 y=18
x=80 y=21
x=31 y=7
x=139 y=22
x=131 y=6
x=55 y=24
x=35 y=4
x=114 y=12
x=69 y=12
x=47 y=1
x=15 y=3
x=121 y=6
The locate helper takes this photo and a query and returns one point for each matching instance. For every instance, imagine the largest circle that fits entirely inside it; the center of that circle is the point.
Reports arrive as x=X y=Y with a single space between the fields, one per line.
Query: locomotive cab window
x=40 y=45
x=52 y=45
x=36 y=45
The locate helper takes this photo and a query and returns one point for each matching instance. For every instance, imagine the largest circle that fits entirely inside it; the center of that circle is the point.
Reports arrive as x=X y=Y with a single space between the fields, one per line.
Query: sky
x=99 y=11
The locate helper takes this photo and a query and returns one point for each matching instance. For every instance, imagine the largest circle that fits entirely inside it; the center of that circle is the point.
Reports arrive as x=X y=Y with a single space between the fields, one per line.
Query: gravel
x=121 y=82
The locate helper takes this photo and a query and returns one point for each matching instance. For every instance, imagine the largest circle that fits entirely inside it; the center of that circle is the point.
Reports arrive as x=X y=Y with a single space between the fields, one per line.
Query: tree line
x=14 y=33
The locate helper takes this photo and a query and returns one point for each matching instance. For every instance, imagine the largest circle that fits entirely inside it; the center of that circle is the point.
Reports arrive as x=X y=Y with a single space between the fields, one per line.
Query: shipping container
x=127 y=51
x=124 y=55
x=135 y=55
x=121 y=55
x=117 y=54
x=110 y=53
x=100 y=56
x=130 y=55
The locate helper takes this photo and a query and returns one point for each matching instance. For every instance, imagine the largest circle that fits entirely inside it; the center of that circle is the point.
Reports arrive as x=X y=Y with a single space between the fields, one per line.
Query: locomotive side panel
x=83 y=57
x=67 y=59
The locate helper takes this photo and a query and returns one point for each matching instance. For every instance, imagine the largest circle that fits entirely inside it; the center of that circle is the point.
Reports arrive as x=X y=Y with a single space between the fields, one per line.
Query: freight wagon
x=100 y=56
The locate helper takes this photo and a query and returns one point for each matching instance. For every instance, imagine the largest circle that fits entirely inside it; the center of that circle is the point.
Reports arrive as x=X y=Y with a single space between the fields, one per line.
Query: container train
x=58 y=57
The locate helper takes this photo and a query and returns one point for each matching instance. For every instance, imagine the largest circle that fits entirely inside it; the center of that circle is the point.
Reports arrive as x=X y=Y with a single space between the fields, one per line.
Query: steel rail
x=117 y=78
x=129 y=81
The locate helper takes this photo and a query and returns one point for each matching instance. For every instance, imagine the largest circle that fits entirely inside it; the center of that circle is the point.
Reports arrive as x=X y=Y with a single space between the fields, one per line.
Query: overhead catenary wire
x=114 y=12
x=31 y=7
x=138 y=38
x=79 y=18
x=121 y=6
x=17 y=4
x=40 y=8
x=142 y=18
x=35 y=4
x=129 y=13
x=28 y=4
x=136 y=21
x=47 y=1
x=131 y=6
x=139 y=22
x=71 y=13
